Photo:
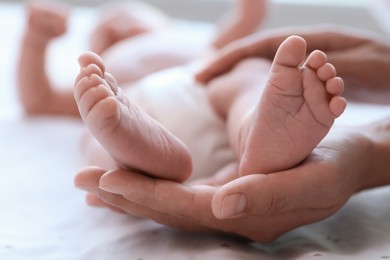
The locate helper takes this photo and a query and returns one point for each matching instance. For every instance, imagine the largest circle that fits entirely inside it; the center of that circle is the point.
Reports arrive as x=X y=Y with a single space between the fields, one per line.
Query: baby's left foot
x=297 y=109
x=133 y=139
x=46 y=20
x=125 y=21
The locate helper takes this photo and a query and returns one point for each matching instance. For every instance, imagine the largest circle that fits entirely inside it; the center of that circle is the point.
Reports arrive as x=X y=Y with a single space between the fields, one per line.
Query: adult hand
x=358 y=57
x=259 y=207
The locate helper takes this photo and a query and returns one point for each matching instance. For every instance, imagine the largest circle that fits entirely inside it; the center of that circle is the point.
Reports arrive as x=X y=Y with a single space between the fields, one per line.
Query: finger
x=224 y=61
x=306 y=186
x=134 y=209
x=89 y=178
x=262 y=229
x=144 y=190
x=172 y=203
x=166 y=200
x=263 y=44
x=189 y=216
x=86 y=177
x=336 y=39
x=94 y=201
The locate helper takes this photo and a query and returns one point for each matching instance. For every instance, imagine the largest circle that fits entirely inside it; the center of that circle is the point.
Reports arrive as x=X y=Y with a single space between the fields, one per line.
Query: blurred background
x=365 y=14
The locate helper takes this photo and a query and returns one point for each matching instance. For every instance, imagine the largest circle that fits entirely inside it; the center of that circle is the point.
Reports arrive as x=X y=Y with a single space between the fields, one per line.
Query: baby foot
x=47 y=20
x=297 y=109
x=133 y=138
x=125 y=21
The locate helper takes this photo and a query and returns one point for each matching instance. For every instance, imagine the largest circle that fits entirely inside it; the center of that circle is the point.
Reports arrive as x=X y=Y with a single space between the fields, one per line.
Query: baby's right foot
x=133 y=138
x=297 y=109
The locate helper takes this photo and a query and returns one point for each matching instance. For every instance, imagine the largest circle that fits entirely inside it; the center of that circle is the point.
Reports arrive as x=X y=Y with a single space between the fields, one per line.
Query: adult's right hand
x=360 y=59
x=258 y=206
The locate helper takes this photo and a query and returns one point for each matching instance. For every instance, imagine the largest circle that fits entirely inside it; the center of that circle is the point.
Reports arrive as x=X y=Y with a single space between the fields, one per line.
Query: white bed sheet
x=42 y=216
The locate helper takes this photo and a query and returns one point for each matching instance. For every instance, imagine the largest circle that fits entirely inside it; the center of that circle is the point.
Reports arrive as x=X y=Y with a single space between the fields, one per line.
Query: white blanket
x=42 y=216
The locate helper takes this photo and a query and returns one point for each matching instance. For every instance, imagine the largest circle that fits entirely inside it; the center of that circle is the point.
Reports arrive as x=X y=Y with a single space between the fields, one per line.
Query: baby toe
x=91 y=97
x=316 y=59
x=111 y=82
x=335 y=86
x=86 y=83
x=326 y=72
x=88 y=71
x=337 y=105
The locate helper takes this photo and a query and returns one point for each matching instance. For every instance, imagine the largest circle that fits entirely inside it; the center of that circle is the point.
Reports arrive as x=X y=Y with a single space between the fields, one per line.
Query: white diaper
x=174 y=99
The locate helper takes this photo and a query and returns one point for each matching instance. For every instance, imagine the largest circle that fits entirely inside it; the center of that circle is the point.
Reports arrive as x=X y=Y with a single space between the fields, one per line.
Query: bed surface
x=42 y=216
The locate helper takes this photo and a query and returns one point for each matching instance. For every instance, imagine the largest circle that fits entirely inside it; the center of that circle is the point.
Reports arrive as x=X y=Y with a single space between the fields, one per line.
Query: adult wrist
x=376 y=172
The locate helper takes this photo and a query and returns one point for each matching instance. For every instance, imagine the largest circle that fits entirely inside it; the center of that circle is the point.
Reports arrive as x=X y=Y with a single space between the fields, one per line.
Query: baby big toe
x=91 y=58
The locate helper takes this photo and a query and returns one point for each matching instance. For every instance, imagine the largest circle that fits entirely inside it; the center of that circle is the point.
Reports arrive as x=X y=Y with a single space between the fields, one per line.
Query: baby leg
x=296 y=110
x=133 y=139
x=45 y=22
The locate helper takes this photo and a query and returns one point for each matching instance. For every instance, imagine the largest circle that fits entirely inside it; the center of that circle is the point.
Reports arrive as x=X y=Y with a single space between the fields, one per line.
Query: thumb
x=262 y=195
x=242 y=197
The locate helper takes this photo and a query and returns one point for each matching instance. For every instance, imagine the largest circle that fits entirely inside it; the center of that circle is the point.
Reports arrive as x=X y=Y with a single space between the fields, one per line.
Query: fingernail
x=108 y=188
x=233 y=205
